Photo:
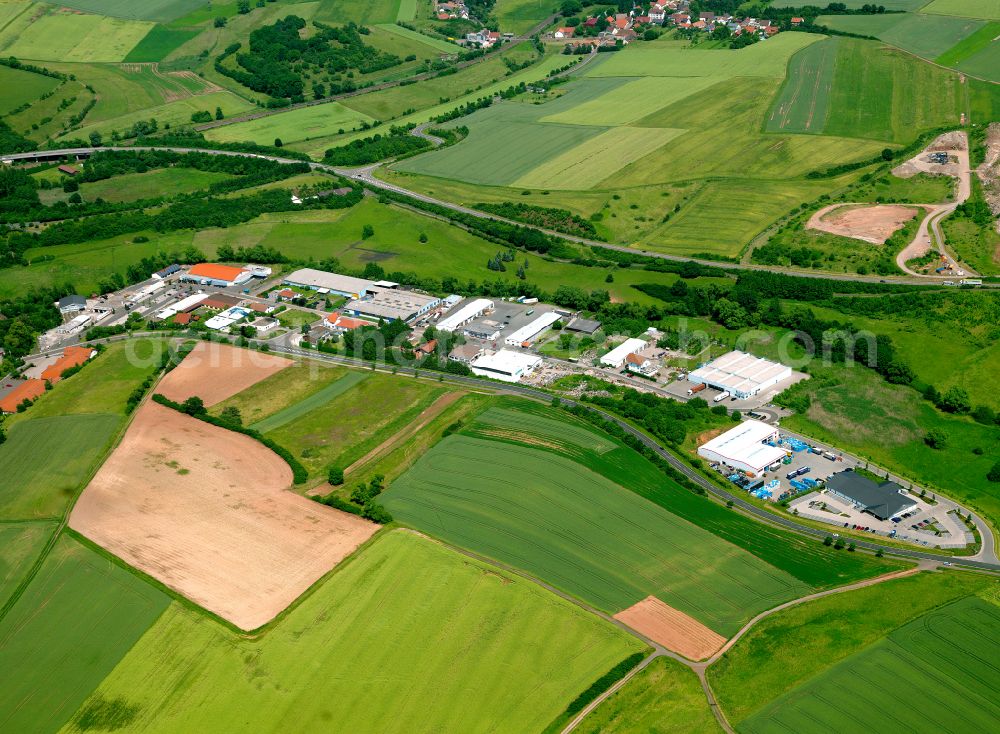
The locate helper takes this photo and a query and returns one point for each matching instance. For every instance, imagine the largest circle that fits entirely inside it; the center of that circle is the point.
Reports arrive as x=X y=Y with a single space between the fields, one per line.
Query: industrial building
x=75 y=325
x=221 y=276
x=884 y=501
x=182 y=306
x=506 y=365
x=740 y=374
x=71 y=304
x=467 y=313
x=616 y=357
x=167 y=271
x=528 y=332
x=583 y=326
x=391 y=305
x=466 y=353
x=29 y=390
x=744 y=448
x=227 y=318
x=324 y=282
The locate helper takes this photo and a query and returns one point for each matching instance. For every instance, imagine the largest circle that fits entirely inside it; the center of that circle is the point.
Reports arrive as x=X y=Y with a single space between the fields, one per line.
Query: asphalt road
x=364 y=176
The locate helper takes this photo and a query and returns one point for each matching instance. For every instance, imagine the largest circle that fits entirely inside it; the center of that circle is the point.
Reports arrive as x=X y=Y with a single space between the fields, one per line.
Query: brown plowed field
x=205 y=511
x=215 y=372
x=671 y=628
x=874 y=224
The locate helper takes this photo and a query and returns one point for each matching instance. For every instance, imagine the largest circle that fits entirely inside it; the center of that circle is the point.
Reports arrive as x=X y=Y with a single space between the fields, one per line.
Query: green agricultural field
x=664 y=697
x=911 y=5
x=970 y=45
x=296 y=125
x=158 y=10
x=499 y=149
x=276 y=393
x=579 y=168
x=318 y=399
x=624 y=101
x=21 y=87
x=132 y=88
x=62 y=35
x=177 y=112
x=20 y=544
x=396 y=246
x=102 y=386
x=988 y=9
x=11 y=9
x=366 y=12
x=760 y=204
x=801 y=106
x=159 y=43
x=349 y=425
x=520 y=16
x=390 y=103
x=580 y=532
x=768 y=59
x=76 y=620
x=880 y=93
x=437 y=44
x=432 y=639
x=45 y=460
x=791 y=648
x=945 y=659
x=985 y=62
x=84 y=264
x=924 y=35
x=134 y=186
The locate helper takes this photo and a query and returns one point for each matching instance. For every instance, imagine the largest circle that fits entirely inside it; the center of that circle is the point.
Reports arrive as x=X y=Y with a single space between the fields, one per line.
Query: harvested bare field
x=215 y=372
x=671 y=628
x=204 y=510
x=873 y=224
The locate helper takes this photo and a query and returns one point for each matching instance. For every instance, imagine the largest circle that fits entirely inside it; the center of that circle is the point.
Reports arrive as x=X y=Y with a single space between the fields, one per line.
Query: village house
x=566 y=32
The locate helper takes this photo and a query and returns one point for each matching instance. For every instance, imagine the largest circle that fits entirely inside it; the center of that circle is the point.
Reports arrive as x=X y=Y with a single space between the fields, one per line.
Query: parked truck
x=720 y=397
x=696 y=388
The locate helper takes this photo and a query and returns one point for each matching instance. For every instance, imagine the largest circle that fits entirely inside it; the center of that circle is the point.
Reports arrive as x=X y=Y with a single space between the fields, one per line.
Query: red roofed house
x=642 y=19
x=590 y=22
x=798 y=21
x=657 y=14
x=215 y=274
x=71 y=357
x=27 y=390
x=183 y=319
x=637 y=363
x=564 y=32
x=339 y=323
x=286 y=295
x=69 y=170
x=428 y=347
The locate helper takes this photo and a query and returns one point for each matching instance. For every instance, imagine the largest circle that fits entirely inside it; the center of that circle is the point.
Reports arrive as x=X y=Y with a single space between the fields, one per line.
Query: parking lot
x=927 y=525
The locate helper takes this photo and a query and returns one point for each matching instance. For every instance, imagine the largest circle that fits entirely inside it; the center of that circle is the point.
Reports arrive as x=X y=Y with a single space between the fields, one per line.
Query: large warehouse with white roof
x=740 y=374
x=744 y=447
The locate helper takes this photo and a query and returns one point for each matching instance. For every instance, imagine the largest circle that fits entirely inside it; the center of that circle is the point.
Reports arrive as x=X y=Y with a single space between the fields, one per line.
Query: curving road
x=364 y=176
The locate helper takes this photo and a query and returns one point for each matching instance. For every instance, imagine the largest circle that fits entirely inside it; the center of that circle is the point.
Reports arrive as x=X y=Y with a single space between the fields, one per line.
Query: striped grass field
x=580 y=168
x=581 y=532
x=436 y=641
x=78 y=617
x=316 y=400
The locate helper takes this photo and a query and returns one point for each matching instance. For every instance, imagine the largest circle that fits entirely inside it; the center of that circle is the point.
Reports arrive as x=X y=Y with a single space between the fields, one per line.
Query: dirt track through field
x=672 y=628
x=205 y=511
x=426 y=416
x=214 y=372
